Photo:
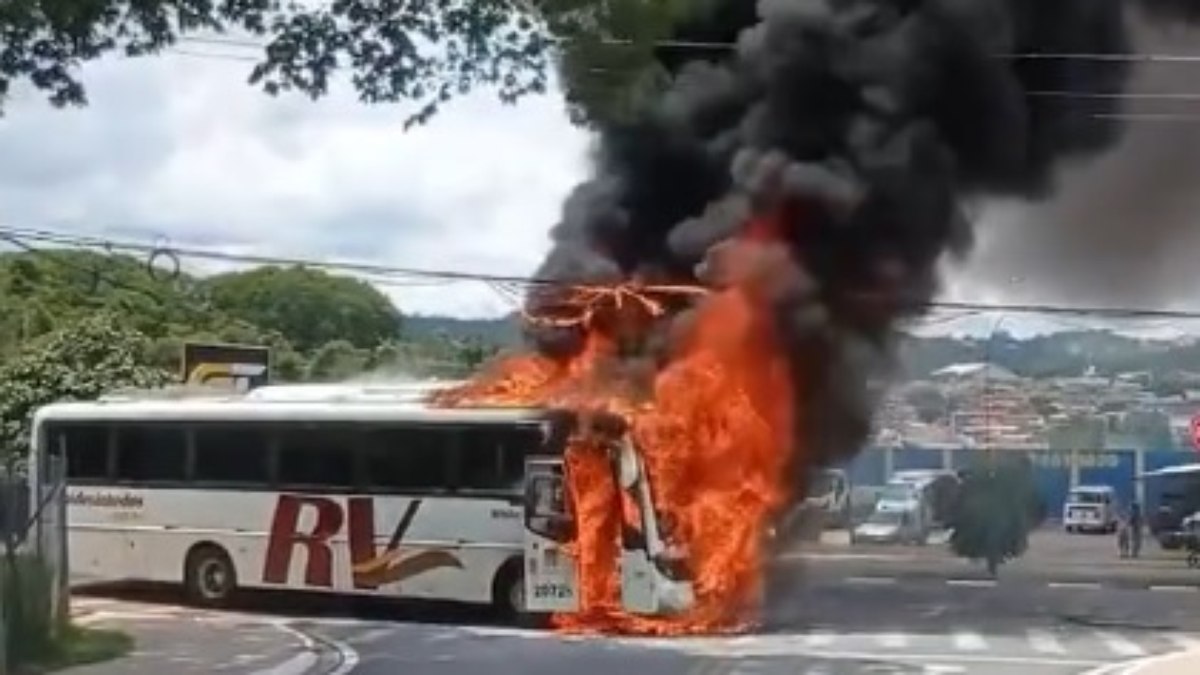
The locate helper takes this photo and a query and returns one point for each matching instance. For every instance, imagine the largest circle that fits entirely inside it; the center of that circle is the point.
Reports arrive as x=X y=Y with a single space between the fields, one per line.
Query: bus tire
x=508 y=595
x=209 y=577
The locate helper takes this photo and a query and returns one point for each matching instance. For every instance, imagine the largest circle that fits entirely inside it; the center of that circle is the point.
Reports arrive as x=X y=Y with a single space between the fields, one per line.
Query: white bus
x=366 y=495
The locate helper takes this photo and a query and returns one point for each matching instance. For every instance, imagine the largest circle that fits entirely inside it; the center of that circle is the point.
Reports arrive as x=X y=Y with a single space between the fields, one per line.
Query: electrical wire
x=511 y=286
x=706 y=45
x=1129 y=117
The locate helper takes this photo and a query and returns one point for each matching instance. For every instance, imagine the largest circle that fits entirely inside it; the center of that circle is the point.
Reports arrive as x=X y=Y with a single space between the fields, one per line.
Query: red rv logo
x=369 y=568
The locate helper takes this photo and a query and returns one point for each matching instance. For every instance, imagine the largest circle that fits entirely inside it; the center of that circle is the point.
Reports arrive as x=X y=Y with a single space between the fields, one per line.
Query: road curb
x=321 y=655
x=1176 y=663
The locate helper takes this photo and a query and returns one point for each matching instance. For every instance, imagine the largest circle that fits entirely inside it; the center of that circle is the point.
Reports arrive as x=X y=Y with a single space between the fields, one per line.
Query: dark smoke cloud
x=1121 y=231
x=862 y=125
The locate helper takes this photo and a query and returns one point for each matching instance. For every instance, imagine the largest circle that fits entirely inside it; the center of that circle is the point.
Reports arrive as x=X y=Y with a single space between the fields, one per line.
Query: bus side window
x=87 y=451
x=493 y=457
x=233 y=454
x=320 y=457
x=400 y=459
x=151 y=454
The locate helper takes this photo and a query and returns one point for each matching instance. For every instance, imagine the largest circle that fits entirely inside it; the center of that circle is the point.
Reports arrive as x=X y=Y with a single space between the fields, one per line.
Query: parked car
x=893 y=523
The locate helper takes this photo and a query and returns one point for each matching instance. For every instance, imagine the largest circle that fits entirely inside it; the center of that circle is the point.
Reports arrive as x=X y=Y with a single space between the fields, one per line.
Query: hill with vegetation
x=75 y=323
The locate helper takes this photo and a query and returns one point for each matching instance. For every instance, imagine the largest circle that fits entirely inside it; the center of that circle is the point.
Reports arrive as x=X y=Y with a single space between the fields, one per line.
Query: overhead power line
x=510 y=285
x=703 y=45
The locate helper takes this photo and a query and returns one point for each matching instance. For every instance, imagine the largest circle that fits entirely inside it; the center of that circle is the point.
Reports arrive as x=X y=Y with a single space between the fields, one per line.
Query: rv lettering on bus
x=370 y=568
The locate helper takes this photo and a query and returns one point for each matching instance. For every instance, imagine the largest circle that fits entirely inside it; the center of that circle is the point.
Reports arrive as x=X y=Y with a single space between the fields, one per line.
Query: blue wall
x=1117 y=468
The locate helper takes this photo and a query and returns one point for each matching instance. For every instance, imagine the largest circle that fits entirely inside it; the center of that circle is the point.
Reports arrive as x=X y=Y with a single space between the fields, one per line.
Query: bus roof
x=245 y=409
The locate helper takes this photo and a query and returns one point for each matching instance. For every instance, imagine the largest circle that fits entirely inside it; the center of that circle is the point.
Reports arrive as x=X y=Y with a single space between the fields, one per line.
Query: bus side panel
x=434 y=547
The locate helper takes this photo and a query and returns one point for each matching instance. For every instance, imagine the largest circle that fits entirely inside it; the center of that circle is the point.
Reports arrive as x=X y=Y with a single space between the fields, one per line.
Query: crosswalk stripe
x=1119 y=644
x=1045 y=642
x=818 y=638
x=969 y=641
x=893 y=640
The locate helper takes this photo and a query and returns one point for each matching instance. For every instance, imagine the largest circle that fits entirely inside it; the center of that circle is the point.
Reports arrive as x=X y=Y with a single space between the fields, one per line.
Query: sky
x=180 y=149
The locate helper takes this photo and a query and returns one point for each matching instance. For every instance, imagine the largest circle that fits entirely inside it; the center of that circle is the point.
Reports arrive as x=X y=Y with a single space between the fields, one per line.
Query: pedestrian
x=1123 y=537
x=1135 y=529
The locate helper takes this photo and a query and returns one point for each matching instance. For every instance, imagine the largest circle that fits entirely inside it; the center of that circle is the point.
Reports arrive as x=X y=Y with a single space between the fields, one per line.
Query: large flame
x=715 y=430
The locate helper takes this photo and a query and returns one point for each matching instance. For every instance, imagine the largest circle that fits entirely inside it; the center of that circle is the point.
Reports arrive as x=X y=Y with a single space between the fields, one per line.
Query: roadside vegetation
x=75 y=324
x=35 y=640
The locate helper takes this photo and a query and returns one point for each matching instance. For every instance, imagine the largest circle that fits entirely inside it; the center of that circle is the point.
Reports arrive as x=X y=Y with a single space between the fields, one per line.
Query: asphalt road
x=1053 y=559
x=835 y=609
x=829 y=629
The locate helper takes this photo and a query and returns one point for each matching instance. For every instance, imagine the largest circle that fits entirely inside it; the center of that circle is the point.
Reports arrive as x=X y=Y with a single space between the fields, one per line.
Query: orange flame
x=715 y=431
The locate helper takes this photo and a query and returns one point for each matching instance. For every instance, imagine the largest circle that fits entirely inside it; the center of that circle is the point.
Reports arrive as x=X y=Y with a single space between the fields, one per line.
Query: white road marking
x=942 y=669
x=299 y=663
x=1074 y=584
x=1119 y=644
x=893 y=640
x=818 y=638
x=1175 y=589
x=347 y=657
x=972 y=583
x=872 y=581
x=1044 y=641
x=969 y=641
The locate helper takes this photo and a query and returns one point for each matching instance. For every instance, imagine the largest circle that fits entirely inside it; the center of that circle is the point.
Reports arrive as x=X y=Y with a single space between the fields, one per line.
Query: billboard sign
x=239 y=367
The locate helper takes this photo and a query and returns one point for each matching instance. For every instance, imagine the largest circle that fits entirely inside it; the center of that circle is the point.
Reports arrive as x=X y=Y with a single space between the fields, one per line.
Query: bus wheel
x=209 y=578
x=508 y=589
x=508 y=596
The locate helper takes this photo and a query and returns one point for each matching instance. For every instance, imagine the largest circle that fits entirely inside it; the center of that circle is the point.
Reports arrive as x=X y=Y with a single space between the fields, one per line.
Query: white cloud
x=183 y=149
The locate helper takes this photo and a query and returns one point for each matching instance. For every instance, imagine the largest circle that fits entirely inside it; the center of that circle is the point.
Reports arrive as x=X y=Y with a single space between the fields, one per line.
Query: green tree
x=81 y=360
x=336 y=360
x=308 y=307
x=997 y=507
x=425 y=51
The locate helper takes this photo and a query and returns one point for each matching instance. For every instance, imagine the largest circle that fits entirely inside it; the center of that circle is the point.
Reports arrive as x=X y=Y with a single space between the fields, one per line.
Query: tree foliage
x=309 y=306
x=997 y=507
x=75 y=324
x=608 y=62
x=81 y=360
x=425 y=51
x=420 y=51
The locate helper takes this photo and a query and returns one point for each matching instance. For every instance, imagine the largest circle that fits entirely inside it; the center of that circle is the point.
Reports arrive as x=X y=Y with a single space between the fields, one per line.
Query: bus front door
x=550 y=580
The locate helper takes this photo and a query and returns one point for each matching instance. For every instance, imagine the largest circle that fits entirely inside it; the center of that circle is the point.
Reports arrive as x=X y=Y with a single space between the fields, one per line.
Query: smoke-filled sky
x=480 y=188
x=1122 y=230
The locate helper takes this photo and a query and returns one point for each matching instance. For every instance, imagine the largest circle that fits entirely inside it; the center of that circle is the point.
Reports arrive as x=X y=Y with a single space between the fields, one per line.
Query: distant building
x=974 y=371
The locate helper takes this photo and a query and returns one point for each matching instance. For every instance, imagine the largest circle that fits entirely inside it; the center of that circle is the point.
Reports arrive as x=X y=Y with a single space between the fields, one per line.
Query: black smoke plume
x=1119 y=231
x=867 y=123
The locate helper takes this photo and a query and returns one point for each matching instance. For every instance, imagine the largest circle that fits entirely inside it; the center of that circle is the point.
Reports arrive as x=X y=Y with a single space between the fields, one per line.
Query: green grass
x=78 y=646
